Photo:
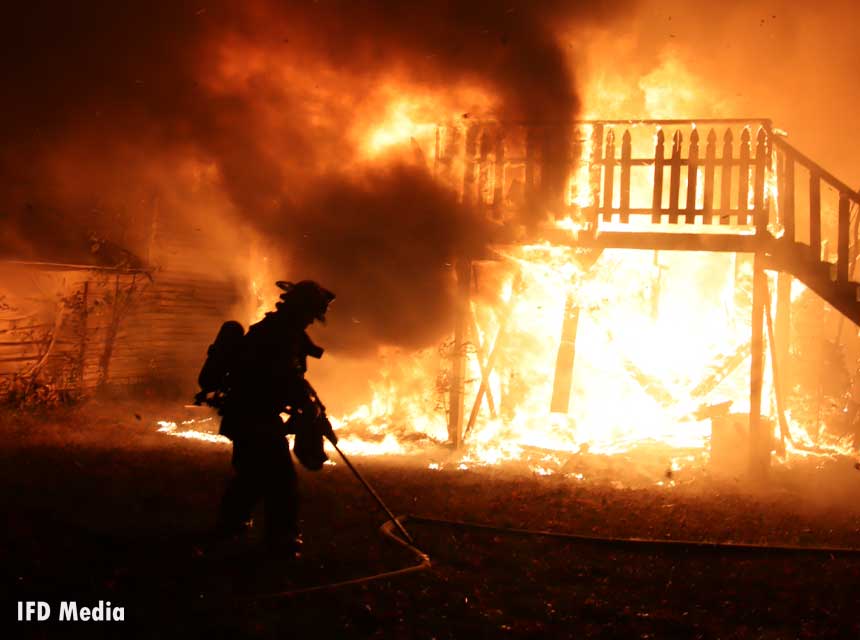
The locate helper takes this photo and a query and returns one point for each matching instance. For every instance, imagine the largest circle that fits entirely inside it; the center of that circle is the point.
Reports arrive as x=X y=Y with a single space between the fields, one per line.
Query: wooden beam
x=783 y=327
x=813 y=167
x=843 y=241
x=744 y=178
x=759 y=448
x=488 y=369
x=692 y=177
x=724 y=242
x=458 y=357
x=726 y=178
x=776 y=363
x=785 y=184
x=609 y=175
x=659 y=161
x=710 y=165
x=675 y=177
x=762 y=166
x=625 y=175
x=815 y=215
x=482 y=361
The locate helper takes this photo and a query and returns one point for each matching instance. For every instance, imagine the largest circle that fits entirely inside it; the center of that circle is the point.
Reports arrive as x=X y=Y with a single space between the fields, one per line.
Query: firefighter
x=266 y=379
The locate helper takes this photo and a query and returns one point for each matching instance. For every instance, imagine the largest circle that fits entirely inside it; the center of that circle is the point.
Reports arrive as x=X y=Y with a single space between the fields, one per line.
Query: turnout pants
x=263 y=470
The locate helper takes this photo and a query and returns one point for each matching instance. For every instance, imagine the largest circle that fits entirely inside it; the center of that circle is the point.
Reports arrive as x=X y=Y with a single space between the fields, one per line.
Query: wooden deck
x=729 y=185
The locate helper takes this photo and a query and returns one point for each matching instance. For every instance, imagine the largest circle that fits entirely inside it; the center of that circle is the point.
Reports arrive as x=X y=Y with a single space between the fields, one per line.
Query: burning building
x=549 y=231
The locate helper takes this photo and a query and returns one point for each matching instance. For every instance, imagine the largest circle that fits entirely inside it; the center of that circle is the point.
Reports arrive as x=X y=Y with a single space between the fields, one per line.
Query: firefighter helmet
x=305 y=295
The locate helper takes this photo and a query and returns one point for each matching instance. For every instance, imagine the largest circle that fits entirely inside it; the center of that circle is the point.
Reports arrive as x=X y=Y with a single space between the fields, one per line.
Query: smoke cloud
x=246 y=118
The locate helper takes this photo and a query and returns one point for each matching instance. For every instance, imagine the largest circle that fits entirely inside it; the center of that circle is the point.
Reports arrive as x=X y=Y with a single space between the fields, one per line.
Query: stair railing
x=788 y=160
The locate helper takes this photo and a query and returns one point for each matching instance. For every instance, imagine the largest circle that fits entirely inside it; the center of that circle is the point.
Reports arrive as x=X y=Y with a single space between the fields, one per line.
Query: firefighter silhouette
x=253 y=378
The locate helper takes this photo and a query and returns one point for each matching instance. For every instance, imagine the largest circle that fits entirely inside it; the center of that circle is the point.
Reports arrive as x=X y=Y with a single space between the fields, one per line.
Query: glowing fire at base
x=659 y=337
x=654 y=338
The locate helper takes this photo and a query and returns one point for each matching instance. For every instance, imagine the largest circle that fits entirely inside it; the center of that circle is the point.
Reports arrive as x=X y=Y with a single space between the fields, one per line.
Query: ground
x=99 y=506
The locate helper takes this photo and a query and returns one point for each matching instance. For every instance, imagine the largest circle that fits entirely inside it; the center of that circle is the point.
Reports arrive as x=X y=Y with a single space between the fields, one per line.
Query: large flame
x=661 y=336
x=656 y=331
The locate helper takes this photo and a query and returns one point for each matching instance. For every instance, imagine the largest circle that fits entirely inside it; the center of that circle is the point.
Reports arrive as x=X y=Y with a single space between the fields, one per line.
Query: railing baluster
x=625 y=176
x=789 y=197
x=675 y=178
x=842 y=257
x=726 y=179
x=744 y=178
x=575 y=166
x=594 y=175
x=659 y=161
x=761 y=164
x=815 y=214
x=609 y=176
x=692 y=177
x=786 y=190
x=710 y=162
x=470 y=160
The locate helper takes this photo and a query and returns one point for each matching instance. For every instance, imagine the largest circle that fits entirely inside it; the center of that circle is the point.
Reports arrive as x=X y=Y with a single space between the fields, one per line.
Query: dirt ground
x=99 y=506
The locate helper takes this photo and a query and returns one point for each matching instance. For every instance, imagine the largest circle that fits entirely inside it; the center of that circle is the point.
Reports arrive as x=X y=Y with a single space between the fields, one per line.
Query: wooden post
x=594 y=173
x=843 y=242
x=458 y=357
x=785 y=184
x=744 y=178
x=759 y=446
x=609 y=176
x=565 y=360
x=783 y=328
x=776 y=363
x=726 y=179
x=692 y=177
x=626 y=152
x=659 y=161
x=710 y=164
x=675 y=177
x=815 y=215
x=762 y=162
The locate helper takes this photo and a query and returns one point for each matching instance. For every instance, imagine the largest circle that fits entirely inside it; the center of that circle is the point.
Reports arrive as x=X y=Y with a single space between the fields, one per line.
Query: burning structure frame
x=750 y=192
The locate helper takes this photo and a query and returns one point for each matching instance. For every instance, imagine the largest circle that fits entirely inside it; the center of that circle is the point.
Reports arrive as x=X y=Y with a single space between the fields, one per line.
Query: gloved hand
x=324 y=425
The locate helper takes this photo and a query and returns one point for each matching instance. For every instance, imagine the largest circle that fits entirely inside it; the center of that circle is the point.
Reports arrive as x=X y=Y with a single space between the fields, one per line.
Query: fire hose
x=387 y=529
x=661 y=544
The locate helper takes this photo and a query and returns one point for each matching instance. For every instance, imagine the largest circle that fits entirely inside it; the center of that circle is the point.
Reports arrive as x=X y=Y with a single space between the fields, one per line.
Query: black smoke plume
x=109 y=106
